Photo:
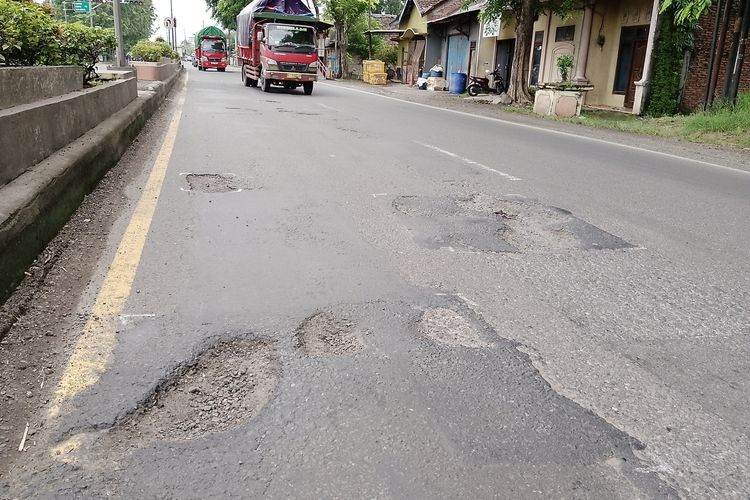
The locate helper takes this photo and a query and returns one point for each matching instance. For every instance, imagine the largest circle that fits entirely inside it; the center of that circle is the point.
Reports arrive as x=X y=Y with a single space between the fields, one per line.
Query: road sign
x=168 y=22
x=82 y=7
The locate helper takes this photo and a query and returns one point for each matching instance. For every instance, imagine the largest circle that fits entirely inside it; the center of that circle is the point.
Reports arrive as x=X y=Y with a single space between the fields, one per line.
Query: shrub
x=388 y=54
x=565 y=64
x=152 y=51
x=28 y=35
x=82 y=46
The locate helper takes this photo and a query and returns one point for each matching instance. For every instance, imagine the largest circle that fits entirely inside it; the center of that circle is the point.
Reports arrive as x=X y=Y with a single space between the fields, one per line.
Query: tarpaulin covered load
x=209 y=31
x=289 y=7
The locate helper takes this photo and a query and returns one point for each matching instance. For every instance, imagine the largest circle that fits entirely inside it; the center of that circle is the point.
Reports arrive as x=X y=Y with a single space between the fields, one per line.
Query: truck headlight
x=272 y=65
x=204 y=59
x=313 y=66
x=223 y=59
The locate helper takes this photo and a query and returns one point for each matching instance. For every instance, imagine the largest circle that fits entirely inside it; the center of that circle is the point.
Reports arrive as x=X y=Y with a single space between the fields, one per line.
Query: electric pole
x=118 y=34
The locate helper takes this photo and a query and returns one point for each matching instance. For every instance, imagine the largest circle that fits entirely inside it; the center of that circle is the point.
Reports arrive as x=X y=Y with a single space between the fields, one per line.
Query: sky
x=191 y=16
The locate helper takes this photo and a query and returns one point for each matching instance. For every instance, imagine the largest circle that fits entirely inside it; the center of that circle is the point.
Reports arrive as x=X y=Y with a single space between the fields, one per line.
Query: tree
x=345 y=15
x=392 y=7
x=137 y=19
x=525 y=12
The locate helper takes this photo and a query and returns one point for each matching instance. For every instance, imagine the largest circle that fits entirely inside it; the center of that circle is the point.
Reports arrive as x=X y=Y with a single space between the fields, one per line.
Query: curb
x=37 y=204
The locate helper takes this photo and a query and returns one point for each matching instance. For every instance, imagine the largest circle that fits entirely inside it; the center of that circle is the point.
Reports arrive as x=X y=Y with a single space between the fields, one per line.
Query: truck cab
x=288 y=55
x=212 y=53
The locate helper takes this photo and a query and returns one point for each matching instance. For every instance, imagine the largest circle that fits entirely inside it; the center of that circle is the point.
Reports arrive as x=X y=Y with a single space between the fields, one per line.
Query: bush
x=152 y=51
x=81 y=45
x=28 y=35
x=388 y=54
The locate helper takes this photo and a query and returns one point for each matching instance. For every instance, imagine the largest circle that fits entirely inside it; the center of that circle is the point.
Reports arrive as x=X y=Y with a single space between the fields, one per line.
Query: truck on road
x=211 y=49
x=277 y=44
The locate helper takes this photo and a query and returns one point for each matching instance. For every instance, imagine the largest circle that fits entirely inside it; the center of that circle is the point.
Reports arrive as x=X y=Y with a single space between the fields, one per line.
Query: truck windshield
x=212 y=46
x=282 y=38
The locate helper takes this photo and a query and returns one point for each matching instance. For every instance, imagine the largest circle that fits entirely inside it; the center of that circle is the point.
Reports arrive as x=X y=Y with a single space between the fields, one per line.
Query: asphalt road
x=346 y=295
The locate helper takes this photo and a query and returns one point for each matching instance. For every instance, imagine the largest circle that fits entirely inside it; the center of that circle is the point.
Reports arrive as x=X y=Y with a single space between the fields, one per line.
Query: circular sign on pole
x=168 y=22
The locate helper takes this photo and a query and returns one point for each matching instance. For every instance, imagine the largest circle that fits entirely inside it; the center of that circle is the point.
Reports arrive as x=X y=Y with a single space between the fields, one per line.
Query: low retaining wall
x=34 y=206
x=32 y=132
x=33 y=83
x=155 y=71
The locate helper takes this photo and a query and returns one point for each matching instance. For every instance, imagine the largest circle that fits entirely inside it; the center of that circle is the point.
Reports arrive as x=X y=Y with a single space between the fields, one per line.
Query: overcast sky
x=191 y=16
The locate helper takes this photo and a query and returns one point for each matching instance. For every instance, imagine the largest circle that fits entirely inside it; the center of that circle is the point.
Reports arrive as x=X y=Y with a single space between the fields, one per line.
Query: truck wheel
x=265 y=85
x=222 y=69
x=307 y=87
x=245 y=80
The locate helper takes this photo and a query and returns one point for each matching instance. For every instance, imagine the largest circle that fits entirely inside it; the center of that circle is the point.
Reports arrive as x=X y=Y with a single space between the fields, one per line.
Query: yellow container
x=378 y=79
x=373 y=66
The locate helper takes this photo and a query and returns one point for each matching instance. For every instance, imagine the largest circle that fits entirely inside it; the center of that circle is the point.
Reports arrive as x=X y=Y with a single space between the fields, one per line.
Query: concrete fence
x=31 y=132
x=32 y=83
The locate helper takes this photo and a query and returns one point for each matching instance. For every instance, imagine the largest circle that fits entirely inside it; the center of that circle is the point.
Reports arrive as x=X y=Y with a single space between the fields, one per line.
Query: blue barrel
x=457 y=83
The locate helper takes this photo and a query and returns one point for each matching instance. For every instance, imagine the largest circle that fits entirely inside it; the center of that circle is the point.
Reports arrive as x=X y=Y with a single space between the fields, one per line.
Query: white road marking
x=469 y=302
x=375 y=195
x=468 y=161
x=550 y=131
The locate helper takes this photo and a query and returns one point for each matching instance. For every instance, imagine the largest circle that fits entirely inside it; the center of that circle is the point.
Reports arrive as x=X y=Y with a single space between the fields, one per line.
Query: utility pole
x=120 y=54
x=738 y=59
x=173 y=29
x=369 y=28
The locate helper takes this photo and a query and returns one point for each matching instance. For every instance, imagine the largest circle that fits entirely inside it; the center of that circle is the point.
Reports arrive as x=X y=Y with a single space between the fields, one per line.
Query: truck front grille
x=292 y=67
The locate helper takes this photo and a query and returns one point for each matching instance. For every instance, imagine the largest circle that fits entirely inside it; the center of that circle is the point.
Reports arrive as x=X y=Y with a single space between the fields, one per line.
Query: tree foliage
x=29 y=35
x=225 y=11
x=81 y=45
x=685 y=12
x=137 y=20
x=392 y=7
x=347 y=17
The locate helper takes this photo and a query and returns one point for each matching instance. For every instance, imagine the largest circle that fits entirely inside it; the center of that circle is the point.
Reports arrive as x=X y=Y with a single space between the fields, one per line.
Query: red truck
x=276 y=42
x=211 y=49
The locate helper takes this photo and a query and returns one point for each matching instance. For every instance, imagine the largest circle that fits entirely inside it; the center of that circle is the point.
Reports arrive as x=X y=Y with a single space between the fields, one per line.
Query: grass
x=721 y=126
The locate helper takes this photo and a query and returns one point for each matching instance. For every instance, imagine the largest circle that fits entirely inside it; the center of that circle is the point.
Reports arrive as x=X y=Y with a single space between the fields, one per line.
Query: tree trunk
x=519 y=81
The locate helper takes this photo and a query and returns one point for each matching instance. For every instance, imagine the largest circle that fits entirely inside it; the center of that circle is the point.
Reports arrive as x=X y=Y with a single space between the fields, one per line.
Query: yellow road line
x=94 y=347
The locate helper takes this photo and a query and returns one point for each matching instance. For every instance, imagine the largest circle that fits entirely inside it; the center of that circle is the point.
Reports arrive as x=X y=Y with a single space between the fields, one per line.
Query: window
x=565 y=33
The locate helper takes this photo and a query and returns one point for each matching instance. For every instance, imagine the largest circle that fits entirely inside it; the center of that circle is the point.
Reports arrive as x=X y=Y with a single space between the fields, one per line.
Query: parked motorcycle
x=482 y=85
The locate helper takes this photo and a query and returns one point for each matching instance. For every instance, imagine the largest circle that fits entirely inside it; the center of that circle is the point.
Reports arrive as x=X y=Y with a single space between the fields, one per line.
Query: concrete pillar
x=585 y=41
x=641 y=86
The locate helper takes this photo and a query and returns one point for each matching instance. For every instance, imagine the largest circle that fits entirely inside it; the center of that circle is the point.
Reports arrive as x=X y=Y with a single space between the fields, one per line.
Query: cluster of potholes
x=494 y=224
x=231 y=381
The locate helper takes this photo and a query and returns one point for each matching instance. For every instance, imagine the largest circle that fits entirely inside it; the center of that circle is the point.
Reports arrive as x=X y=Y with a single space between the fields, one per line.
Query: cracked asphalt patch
x=493 y=224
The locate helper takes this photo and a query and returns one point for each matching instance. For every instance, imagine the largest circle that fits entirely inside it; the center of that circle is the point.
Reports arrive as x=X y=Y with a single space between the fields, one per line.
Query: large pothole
x=323 y=334
x=226 y=385
x=448 y=327
x=491 y=224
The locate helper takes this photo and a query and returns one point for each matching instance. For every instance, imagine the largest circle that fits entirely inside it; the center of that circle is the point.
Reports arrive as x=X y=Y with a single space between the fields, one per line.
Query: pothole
x=212 y=183
x=226 y=385
x=487 y=223
x=323 y=334
x=448 y=327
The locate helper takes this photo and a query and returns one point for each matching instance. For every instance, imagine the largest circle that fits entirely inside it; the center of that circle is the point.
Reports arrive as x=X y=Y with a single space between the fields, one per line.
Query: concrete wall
x=33 y=83
x=32 y=132
x=35 y=205
x=155 y=71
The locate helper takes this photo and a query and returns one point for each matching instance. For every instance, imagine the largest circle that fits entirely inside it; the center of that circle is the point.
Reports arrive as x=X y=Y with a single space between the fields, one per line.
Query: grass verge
x=722 y=126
